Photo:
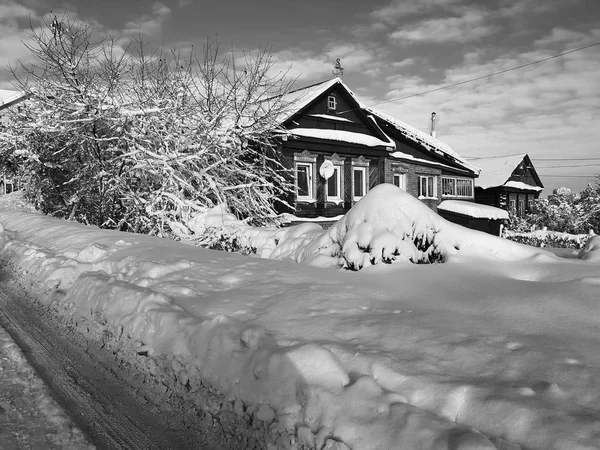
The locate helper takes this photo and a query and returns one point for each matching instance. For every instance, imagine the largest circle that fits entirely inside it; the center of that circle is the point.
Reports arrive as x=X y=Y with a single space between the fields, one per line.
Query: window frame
x=362 y=170
x=338 y=176
x=453 y=183
x=403 y=180
x=311 y=194
x=427 y=185
x=331 y=103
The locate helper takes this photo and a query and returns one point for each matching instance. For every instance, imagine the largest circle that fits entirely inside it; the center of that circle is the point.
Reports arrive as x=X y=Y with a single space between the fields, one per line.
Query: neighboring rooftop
x=420 y=137
x=8 y=98
x=497 y=170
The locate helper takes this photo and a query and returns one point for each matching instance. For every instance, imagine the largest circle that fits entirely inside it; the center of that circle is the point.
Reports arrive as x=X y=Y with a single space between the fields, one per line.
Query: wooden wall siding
x=348 y=185
x=344 y=108
x=490 y=197
x=373 y=174
x=523 y=175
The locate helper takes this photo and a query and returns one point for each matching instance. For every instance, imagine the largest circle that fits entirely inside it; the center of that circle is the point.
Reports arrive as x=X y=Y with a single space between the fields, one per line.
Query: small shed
x=488 y=219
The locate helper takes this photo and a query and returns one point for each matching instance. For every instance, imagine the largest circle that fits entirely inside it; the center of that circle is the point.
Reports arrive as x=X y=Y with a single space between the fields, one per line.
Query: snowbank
x=591 y=251
x=502 y=341
x=388 y=226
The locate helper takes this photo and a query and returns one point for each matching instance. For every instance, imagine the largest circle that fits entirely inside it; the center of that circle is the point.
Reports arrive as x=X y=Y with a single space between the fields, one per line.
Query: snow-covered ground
x=501 y=339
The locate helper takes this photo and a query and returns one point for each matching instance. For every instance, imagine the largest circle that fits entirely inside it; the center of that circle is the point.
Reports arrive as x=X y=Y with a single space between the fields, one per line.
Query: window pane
x=430 y=186
x=358 y=183
x=303 y=181
x=332 y=184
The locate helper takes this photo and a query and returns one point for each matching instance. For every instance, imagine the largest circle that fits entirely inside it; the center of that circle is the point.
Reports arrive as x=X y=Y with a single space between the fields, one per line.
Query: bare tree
x=138 y=140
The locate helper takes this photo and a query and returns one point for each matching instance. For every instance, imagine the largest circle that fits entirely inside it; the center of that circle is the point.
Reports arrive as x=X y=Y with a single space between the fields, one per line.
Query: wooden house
x=507 y=182
x=339 y=149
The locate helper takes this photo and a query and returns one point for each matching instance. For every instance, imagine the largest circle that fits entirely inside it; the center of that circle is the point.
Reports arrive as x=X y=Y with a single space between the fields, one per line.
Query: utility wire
x=567 y=176
x=448 y=86
x=562 y=167
x=533 y=157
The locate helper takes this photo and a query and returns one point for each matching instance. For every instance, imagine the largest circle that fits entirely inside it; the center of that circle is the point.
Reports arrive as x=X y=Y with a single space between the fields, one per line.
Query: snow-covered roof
x=496 y=171
x=330 y=117
x=342 y=136
x=429 y=142
x=473 y=209
x=412 y=158
x=8 y=97
x=521 y=185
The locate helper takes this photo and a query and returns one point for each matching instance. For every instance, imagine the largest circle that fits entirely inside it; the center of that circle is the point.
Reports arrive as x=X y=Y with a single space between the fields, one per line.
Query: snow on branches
x=136 y=140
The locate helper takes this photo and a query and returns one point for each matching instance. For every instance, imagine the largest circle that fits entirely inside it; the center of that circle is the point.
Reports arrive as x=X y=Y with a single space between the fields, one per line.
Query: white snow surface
x=8 y=96
x=503 y=338
x=472 y=209
x=342 y=136
x=521 y=185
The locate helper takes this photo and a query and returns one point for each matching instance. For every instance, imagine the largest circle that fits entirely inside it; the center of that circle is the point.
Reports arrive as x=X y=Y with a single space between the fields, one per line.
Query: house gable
x=525 y=173
x=345 y=122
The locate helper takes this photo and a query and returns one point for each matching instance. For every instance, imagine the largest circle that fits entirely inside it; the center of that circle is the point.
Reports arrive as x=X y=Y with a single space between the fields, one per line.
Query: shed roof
x=474 y=210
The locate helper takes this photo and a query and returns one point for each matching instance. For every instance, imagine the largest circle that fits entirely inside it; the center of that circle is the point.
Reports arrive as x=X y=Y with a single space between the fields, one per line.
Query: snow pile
x=591 y=251
x=473 y=209
x=406 y=356
x=387 y=226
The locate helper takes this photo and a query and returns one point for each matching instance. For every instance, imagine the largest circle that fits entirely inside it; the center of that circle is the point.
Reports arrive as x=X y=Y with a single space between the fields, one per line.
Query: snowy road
x=29 y=417
x=87 y=384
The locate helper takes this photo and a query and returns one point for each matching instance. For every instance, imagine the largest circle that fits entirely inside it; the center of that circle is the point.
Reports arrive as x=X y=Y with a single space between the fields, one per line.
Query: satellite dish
x=326 y=170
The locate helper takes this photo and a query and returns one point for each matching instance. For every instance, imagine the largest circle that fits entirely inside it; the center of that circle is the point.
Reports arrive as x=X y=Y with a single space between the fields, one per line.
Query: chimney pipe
x=433 y=115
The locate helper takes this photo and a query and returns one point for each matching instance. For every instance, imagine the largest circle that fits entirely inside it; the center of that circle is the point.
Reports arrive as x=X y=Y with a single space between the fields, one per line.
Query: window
x=331 y=102
x=359 y=182
x=400 y=180
x=521 y=207
x=530 y=205
x=457 y=187
x=334 y=186
x=304 y=181
x=512 y=205
x=428 y=186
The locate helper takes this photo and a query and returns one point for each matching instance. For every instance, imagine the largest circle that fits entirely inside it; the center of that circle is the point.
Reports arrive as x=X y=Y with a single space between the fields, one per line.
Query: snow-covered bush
x=136 y=139
x=563 y=213
x=386 y=226
x=544 y=238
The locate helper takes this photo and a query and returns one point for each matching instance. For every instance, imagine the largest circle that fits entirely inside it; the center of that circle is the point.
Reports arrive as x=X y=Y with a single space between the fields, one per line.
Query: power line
x=564 y=166
x=567 y=176
x=534 y=158
x=448 y=86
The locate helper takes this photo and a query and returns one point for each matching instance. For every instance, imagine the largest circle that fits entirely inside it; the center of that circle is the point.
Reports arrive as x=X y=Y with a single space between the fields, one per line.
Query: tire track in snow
x=92 y=395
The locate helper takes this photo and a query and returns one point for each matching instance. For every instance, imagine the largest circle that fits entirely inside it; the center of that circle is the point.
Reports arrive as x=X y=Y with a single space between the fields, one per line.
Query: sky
x=392 y=50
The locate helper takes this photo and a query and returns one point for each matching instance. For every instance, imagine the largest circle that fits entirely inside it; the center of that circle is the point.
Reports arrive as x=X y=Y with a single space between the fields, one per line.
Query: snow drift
x=388 y=226
x=500 y=345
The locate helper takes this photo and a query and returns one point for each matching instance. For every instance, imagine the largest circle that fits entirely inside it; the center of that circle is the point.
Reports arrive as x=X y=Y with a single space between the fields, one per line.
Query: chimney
x=433 y=114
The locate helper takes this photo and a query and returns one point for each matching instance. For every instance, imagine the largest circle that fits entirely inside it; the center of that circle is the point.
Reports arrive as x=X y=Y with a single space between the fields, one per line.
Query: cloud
x=547 y=110
x=318 y=65
x=149 y=24
x=470 y=26
x=402 y=8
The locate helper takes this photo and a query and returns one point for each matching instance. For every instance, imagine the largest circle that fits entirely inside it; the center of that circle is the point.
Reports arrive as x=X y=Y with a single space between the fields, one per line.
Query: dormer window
x=331 y=103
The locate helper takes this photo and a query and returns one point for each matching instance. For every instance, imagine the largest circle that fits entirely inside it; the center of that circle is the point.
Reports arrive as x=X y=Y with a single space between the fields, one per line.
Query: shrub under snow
x=387 y=226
